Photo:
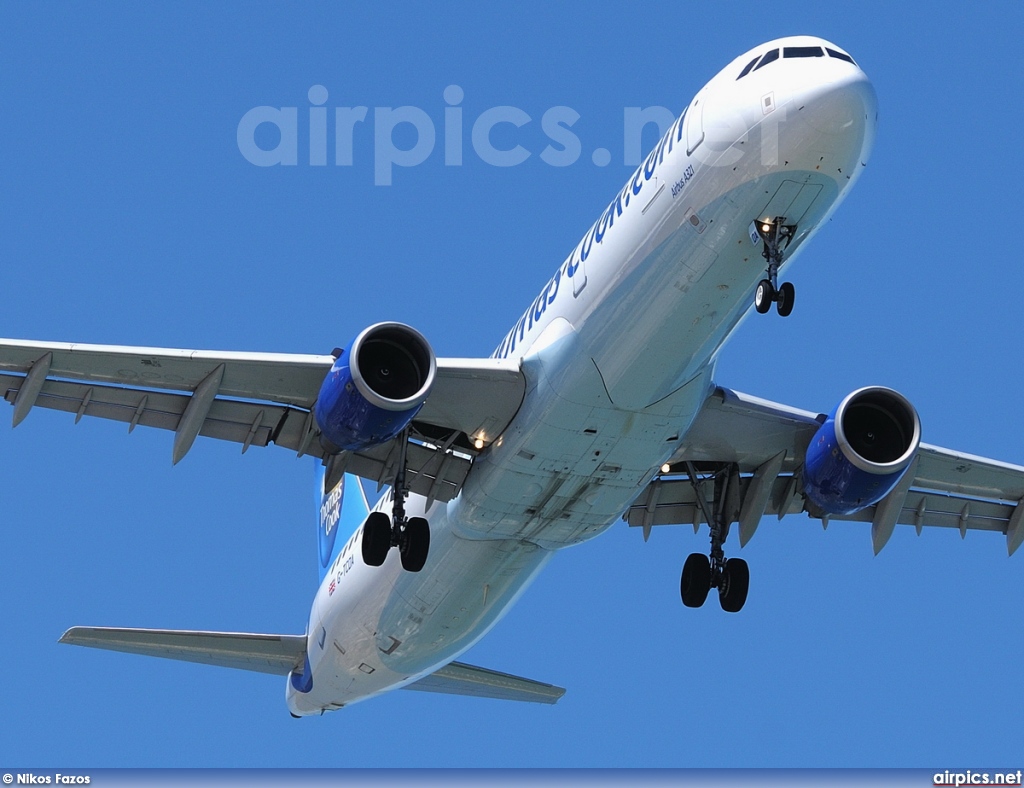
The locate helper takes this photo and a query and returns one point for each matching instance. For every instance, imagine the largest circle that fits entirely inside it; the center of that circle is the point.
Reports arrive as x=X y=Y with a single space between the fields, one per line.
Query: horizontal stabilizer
x=263 y=653
x=280 y=654
x=458 y=678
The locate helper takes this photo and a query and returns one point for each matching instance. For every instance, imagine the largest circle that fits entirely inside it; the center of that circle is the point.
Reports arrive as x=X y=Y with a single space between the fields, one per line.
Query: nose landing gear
x=701 y=573
x=775 y=236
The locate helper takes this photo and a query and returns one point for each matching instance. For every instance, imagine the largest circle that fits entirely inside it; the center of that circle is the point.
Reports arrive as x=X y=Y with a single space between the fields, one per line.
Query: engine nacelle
x=861 y=451
x=376 y=386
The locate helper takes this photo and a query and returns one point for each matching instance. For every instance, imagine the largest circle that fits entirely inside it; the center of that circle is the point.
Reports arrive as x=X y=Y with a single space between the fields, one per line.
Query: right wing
x=280 y=654
x=258 y=399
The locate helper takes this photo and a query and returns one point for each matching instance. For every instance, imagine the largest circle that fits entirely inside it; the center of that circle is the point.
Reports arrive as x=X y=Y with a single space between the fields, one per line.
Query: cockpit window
x=802 y=52
x=746 y=70
x=769 y=57
x=840 y=55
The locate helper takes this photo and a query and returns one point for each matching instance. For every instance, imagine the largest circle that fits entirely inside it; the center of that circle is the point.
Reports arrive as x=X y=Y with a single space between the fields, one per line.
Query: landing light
x=766 y=227
x=666 y=468
x=479 y=443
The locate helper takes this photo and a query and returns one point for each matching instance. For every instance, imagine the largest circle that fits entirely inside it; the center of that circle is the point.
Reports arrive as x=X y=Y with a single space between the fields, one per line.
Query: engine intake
x=861 y=451
x=376 y=386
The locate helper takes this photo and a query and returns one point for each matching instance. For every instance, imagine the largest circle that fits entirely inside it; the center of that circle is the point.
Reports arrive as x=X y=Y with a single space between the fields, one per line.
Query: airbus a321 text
x=600 y=404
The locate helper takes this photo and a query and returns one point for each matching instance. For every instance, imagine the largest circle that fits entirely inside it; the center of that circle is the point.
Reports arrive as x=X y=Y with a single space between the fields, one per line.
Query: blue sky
x=131 y=217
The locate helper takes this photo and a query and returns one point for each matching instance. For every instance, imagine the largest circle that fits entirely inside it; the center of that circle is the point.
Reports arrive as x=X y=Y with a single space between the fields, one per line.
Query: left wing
x=756 y=449
x=258 y=399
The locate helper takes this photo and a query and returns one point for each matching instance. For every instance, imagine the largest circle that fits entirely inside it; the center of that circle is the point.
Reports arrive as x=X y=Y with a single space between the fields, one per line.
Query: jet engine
x=861 y=451
x=376 y=386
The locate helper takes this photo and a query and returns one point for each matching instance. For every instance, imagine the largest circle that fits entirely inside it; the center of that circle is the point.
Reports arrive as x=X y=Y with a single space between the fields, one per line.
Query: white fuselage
x=618 y=351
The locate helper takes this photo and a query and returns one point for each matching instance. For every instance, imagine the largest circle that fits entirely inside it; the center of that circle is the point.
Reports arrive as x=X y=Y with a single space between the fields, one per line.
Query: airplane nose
x=839 y=106
x=836 y=106
x=839 y=115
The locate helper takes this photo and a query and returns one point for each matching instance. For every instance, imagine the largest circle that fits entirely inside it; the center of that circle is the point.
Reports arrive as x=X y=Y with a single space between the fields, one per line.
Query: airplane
x=600 y=404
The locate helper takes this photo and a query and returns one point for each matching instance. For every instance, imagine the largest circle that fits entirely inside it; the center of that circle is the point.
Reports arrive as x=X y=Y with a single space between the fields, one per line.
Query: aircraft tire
x=732 y=593
x=376 y=538
x=764 y=296
x=695 y=582
x=787 y=295
x=416 y=544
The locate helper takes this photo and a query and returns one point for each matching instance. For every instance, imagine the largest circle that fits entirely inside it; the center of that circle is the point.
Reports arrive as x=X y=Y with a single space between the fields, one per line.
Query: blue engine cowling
x=861 y=451
x=376 y=386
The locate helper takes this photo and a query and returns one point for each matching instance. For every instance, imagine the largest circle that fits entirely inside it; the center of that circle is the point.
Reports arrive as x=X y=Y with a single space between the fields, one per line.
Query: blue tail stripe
x=342 y=509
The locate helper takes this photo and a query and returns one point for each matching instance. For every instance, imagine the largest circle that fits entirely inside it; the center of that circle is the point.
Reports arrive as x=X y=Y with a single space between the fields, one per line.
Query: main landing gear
x=776 y=237
x=411 y=535
x=701 y=573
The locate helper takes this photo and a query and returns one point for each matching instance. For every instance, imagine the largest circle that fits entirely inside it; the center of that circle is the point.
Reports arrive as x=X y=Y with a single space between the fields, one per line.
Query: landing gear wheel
x=415 y=544
x=376 y=538
x=787 y=295
x=732 y=592
x=776 y=236
x=695 y=583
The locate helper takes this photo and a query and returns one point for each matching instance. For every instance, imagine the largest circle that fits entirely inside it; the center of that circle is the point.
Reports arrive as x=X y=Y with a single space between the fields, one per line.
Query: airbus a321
x=599 y=404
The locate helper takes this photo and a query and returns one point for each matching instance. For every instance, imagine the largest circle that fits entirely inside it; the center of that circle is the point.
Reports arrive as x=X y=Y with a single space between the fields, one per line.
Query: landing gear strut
x=776 y=236
x=411 y=535
x=701 y=573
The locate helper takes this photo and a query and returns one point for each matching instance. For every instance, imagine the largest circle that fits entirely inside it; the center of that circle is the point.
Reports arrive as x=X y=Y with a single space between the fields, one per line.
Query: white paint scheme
x=617 y=368
x=607 y=376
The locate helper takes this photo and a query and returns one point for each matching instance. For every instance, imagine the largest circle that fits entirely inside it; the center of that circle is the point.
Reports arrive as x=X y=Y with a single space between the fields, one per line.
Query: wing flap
x=250 y=424
x=457 y=678
x=432 y=471
x=232 y=420
x=476 y=396
x=675 y=503
x=277 y=654
x=737 y=428
x=964 y=474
